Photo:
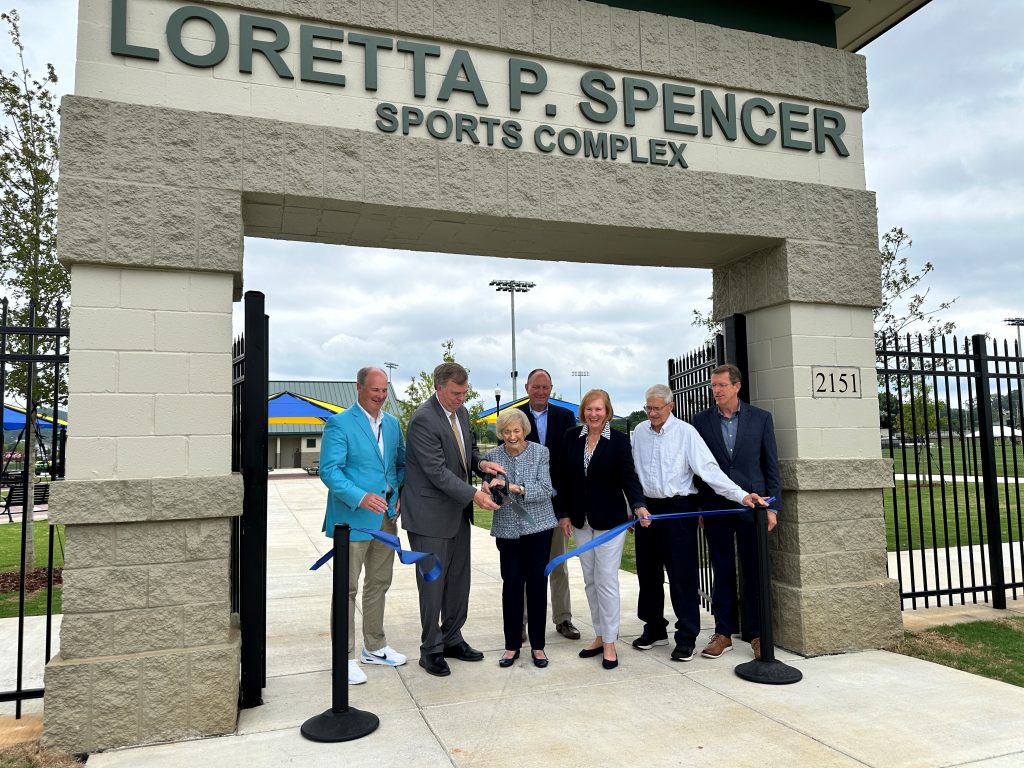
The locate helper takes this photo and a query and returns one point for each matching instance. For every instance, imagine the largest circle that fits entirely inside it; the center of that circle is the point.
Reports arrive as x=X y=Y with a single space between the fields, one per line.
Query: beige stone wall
x=147 y=650
x=567 y=36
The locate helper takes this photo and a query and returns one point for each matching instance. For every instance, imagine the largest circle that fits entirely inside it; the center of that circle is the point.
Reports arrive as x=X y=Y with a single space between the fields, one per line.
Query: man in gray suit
x=437 y=510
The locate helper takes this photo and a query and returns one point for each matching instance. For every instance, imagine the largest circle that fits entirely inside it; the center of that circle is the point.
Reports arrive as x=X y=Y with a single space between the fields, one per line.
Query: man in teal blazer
x=362 y=463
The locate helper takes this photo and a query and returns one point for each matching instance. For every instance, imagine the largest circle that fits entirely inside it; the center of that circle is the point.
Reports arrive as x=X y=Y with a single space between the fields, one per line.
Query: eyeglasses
x=656 y=408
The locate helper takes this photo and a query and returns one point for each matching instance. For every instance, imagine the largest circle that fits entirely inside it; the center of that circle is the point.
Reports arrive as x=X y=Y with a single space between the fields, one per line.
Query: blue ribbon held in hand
x=611 y=533
x=426 y=562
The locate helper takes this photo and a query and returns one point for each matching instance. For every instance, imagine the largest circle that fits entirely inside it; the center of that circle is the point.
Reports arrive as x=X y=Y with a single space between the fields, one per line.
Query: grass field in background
x=922 y=531
x=958 y=457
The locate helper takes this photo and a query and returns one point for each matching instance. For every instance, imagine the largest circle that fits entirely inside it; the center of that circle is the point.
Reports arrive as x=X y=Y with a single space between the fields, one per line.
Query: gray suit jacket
x=436 y=495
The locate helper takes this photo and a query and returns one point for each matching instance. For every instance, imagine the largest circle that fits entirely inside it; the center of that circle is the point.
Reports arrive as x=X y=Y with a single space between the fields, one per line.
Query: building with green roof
x=298 y=445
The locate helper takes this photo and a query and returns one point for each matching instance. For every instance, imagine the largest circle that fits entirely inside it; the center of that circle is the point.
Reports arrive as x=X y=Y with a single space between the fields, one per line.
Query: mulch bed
x=34 y=580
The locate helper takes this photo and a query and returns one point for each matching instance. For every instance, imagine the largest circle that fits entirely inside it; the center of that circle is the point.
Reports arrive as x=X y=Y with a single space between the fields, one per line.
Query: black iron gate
x=689 y=379
x=952 y=423
x=250 y=371
x=38 y=349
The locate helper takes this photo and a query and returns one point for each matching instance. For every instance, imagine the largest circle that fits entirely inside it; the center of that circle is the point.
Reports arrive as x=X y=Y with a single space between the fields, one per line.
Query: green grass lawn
x=993 y=649
x=10 y=563
x=483 y=517
x=35 y=603
x=957 y=457
x=10 y=545
x=922 y=531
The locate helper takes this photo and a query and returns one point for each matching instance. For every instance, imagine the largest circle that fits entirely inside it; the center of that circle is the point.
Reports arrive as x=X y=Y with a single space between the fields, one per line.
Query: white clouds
x=944 y=152
x=335 y=309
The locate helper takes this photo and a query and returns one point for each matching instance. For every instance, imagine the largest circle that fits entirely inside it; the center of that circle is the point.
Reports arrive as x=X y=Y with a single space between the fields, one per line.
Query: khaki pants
x=376 y=561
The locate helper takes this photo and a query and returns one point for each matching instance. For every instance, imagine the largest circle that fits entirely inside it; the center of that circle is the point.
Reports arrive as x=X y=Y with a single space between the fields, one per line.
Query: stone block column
x=831 y=592
x=148 y=652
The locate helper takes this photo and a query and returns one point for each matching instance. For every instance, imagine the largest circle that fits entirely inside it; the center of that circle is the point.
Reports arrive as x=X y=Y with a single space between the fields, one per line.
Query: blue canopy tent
x=14 y=418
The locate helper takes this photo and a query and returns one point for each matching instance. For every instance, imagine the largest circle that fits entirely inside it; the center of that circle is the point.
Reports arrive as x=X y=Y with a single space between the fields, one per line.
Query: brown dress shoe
x=718 y=645
x=567 y=630
x=756 y=645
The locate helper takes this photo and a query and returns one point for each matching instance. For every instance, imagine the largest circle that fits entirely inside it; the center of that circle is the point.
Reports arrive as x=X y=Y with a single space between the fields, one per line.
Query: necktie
x=458 y=439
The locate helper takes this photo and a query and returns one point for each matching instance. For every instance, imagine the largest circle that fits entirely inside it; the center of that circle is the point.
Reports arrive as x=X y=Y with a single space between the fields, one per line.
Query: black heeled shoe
x=589 y=653
x=508 y=662
x=537 y=662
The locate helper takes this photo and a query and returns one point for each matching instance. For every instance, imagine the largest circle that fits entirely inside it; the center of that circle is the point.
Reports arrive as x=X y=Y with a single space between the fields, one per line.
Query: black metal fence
x=952 y=422
x=689 y=379
x=34 y=351
x=250 y=372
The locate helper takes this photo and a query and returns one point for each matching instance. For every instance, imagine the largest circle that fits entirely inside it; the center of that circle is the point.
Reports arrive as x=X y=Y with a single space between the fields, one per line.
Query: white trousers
x=601 y=580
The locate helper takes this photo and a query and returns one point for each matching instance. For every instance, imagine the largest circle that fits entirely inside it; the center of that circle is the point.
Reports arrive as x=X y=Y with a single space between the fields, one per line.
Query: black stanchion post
x=766 y=669
x=341 y=722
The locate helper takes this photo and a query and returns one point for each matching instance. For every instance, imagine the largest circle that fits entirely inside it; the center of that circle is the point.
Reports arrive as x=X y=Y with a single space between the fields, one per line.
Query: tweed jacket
x=532 y=512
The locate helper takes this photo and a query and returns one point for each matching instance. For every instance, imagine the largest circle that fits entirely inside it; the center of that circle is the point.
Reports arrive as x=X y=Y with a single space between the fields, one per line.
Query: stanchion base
x=340 y=726
x=769 y=672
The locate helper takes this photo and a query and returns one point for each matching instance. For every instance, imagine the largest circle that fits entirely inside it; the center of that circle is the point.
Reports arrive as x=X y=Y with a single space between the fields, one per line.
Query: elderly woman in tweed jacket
x=522 y=531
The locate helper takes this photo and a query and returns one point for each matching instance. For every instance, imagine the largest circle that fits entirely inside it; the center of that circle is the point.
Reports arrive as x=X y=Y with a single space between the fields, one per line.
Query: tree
x=421 y=387
x=703 y=320
x=904 y=298
x=635 y=418
x=29 y=268
x=28 y=203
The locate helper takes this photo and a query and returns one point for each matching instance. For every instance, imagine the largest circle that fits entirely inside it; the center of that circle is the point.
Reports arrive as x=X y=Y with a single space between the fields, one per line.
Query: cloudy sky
x=944 y=152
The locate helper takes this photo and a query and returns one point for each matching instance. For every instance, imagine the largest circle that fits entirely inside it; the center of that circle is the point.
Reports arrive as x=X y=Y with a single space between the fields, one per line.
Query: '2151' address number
x=833 y=381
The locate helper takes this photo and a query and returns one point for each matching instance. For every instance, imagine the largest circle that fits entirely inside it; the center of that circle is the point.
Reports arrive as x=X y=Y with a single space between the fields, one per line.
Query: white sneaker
x=387 y=656
x=356 y=676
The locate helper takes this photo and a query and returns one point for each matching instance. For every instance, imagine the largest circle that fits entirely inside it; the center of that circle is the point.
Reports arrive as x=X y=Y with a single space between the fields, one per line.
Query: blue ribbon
x=422 y=560
x=611 y=533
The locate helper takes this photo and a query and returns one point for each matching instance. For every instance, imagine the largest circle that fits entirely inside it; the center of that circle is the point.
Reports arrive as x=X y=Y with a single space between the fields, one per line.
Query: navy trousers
x=668 y=547
x=522 y=564
x=721 y=531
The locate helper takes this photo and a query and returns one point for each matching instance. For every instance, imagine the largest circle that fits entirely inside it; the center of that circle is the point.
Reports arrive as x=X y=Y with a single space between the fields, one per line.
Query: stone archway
x=185 y=134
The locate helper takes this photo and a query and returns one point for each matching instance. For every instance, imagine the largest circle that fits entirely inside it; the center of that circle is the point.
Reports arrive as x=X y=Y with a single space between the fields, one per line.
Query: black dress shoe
x=435 y=665
x=541 y=663
x=609 y=663
x=567 y=630
x=463 y=652
x=589 y=653
x=508 y=661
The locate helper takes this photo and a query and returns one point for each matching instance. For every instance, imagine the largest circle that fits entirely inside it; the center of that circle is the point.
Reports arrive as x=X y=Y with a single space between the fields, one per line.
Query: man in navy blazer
x=742 y=439
x=548 y=425
x=362 y=463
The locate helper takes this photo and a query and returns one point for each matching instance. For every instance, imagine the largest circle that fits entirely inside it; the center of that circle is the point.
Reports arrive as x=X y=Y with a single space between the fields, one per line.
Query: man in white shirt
x=667 y=454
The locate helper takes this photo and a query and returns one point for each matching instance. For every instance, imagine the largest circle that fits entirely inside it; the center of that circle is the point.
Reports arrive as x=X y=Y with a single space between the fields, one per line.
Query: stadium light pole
x=1018 y=321
x=513 y=287
x=580 y=375
x=390 y=367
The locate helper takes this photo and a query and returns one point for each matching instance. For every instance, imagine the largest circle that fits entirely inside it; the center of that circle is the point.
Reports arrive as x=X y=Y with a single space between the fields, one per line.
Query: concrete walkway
x=860 y=709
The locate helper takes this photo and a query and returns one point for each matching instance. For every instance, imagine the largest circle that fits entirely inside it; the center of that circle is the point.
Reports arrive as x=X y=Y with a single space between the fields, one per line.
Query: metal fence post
x=341 y=722
x=252 y=607
x=734 y=328
x=986 y=444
